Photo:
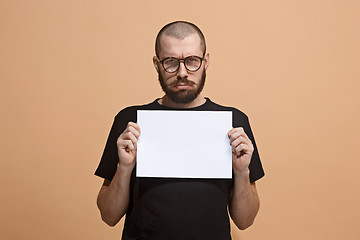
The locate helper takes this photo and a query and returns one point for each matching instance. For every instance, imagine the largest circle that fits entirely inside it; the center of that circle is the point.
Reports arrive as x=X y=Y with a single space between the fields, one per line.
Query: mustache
x=184 y=81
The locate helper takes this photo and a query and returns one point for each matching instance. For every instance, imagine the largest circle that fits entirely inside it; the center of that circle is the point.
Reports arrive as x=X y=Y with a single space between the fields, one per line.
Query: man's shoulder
x=130 y=110
x=218 y=107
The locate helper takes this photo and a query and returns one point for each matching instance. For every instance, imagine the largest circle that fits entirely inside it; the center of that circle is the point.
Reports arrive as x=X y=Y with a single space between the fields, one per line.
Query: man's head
x=179 y=30
x=179 y=40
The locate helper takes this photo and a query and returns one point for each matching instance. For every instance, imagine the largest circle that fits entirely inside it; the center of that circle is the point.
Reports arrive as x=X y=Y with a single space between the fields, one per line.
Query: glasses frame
x=181 y=60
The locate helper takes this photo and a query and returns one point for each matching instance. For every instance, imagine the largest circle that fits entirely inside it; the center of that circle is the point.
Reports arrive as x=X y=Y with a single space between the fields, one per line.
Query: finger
x=237 y=129
x=130 y=129
x=242 y=148
x=237 y=133
x=231 y=131
x=237 y=142
x=125 y=144
x=130 y=136
x=246 y=137
x=134 y=125
x=237 y=150
x=235 y=136
x=240 y=139
x=134 y=131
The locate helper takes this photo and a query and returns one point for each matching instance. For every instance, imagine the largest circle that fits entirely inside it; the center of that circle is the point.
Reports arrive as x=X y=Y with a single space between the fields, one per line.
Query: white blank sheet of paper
x=184 y=144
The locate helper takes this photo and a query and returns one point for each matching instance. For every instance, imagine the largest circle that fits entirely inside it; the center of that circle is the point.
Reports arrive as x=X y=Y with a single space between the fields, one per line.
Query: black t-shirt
x=175 y=208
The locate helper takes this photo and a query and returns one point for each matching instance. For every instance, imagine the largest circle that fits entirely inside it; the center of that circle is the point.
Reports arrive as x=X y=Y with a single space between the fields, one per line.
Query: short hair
x=179 y=30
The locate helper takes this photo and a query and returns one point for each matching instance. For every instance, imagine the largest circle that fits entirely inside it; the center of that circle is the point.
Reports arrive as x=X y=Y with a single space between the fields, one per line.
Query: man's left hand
x=242 y=150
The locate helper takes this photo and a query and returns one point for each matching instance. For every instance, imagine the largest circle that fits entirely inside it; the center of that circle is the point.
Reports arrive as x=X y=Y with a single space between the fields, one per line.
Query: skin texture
x=113 y=198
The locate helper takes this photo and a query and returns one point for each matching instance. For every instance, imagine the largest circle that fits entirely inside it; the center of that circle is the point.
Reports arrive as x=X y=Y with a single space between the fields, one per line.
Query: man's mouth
x=182 y=86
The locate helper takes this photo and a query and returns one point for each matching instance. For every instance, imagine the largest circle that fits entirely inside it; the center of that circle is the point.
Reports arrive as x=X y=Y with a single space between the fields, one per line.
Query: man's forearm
x=113 y=199
x=244 y=203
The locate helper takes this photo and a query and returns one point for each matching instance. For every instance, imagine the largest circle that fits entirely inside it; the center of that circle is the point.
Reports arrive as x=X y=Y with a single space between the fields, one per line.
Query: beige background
x=67 y=67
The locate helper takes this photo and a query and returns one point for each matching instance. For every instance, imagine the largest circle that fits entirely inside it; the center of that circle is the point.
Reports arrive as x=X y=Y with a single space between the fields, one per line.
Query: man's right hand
x=127 y=145
x=114 y=196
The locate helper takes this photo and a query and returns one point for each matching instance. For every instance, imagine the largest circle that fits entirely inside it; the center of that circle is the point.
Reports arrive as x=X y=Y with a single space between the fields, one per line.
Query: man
x=178 y=208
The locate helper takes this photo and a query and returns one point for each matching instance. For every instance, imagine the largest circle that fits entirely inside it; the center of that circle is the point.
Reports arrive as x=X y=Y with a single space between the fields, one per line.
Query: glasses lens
x=193 y=63
x=171 y=64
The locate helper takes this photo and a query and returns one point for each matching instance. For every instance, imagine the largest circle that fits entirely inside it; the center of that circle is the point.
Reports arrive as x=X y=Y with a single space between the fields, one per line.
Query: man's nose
x=182 y=71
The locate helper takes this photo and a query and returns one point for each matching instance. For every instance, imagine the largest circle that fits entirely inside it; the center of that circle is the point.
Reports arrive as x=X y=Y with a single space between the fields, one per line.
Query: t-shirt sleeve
x=109 y=160
x=255 y=167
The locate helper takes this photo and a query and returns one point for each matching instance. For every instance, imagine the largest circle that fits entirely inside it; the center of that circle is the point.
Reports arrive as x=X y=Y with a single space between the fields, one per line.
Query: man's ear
x=156 y=63
x=206 y=60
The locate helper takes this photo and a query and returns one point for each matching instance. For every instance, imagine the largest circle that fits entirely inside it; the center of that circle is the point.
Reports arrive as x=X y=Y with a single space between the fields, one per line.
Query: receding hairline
x=179 y=30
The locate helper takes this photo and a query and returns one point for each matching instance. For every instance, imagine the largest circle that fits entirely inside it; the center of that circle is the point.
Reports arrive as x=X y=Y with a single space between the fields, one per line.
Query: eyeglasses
x=172 y=64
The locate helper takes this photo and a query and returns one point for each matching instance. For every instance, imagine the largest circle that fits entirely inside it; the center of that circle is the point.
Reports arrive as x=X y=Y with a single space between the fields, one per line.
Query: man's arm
x=244 y=200
x=114 y=196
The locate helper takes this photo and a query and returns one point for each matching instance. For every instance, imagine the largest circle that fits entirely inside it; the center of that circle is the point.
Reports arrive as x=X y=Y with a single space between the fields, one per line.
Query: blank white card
x=184 y=144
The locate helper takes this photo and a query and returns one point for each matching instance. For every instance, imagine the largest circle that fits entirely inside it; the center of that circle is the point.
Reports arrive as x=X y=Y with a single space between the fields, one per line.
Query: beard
x=186 y=95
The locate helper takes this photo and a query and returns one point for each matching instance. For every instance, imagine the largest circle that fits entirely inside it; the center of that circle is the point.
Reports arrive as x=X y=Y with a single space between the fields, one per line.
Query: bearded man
x=178 y=208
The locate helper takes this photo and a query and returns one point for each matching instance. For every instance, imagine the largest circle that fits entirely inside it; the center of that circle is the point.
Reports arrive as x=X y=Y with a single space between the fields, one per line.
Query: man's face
x=181 y=86
x=188 y=94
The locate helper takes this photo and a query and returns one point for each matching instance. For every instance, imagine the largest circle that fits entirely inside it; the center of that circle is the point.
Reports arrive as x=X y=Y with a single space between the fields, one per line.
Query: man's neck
x=165 y=101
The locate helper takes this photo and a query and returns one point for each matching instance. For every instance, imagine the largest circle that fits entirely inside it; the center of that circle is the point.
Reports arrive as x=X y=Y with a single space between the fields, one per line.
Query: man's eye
x=170 y=61
x=192 y=61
